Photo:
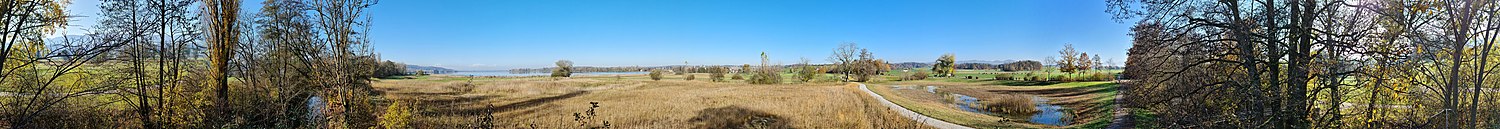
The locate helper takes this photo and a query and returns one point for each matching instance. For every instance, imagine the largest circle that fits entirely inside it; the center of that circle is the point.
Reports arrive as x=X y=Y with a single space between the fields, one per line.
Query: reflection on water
x=1050 y=114
x=966 y=103
x=898 y=87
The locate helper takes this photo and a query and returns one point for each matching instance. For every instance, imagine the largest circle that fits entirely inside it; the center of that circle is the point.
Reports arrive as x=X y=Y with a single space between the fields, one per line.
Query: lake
x=509 y=74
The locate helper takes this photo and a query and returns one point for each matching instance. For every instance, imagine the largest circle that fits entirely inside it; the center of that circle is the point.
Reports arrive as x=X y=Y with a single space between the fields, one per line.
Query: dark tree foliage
x=1025 y=65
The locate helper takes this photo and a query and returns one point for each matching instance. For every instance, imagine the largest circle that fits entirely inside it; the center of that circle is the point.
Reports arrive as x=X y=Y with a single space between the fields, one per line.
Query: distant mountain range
x=429 y=69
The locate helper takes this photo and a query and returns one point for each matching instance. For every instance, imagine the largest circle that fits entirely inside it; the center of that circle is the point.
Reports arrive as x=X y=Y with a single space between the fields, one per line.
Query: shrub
x=765 y=77
x=766 y=73
x=1037 y=78
x=689 y=77
x=564 y=69
x=397 y=116
x=738 y=77
x=1066 y=78
x=919 y=75
x=655 y=74
x=717 y=73
x=807 y=72
x=1101 y=77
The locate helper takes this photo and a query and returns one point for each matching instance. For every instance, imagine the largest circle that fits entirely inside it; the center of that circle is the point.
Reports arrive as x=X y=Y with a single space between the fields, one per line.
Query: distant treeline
x=428 y=69
x=1026 y=65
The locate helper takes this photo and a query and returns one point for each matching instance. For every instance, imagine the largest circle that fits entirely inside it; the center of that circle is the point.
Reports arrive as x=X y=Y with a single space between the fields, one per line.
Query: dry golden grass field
x=633 y=101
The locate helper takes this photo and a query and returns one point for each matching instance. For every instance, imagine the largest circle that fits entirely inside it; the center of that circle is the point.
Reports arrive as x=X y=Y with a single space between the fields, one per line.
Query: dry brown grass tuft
x=1008 y=104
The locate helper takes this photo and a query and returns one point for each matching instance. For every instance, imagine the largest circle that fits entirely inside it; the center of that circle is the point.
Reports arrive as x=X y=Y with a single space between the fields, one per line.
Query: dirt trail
x=910 y=114
x=1122 y=117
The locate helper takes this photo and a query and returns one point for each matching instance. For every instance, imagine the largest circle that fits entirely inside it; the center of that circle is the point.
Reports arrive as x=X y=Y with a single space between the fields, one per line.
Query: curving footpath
x=909 y=114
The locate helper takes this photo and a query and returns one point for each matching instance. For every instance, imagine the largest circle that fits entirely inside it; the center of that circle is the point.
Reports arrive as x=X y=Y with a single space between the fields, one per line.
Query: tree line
x=1313 y=63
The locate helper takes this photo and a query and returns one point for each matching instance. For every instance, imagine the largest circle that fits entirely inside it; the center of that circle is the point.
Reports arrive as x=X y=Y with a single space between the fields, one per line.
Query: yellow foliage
x=397 y=116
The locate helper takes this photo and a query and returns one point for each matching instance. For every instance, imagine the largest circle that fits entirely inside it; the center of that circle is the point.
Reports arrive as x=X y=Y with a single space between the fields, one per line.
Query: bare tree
x=844 y=57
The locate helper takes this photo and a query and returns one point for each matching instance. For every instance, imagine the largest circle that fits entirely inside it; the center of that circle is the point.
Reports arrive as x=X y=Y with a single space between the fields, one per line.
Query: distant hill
x=995 y=62
x=429 y=69
x=907 y=65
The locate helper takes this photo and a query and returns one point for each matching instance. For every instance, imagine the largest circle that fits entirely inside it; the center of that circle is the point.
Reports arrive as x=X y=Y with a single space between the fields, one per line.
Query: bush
x=1101 y=77
x=765 y=77
x=807 y=73
x=766 y=73
x=689 y=77
x=717 y=74
x=397 y=116
x=655 y=74
x=564 y=69
x=1037 y=78
x=919 y=75
x=738 y=77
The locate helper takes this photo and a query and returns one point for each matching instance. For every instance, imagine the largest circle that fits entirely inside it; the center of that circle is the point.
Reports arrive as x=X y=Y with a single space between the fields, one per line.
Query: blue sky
x=504 y=34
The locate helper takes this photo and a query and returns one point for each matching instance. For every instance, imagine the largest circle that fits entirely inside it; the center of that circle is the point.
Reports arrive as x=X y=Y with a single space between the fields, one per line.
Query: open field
x=1089 y=103
x=634 y=101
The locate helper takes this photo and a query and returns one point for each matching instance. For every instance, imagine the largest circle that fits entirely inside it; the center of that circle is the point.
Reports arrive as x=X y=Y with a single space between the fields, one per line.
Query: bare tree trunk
x=1484 y=58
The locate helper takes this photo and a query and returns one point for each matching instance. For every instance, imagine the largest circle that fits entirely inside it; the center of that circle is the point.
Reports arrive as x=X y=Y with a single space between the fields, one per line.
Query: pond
x=966 y=103
x=1048 y=114
x=510 y=74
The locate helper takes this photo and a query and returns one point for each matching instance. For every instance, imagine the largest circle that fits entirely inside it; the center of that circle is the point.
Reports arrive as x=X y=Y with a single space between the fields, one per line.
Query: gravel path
x=1122 y=117
x=909 y=114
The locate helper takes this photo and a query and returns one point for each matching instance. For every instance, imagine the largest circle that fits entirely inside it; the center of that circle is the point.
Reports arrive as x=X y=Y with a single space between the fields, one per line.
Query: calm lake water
x=509 y=74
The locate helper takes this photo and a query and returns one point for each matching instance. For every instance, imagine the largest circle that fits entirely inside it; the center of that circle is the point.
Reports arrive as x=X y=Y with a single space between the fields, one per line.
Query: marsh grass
x=638 y=102
x=1008 y=104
